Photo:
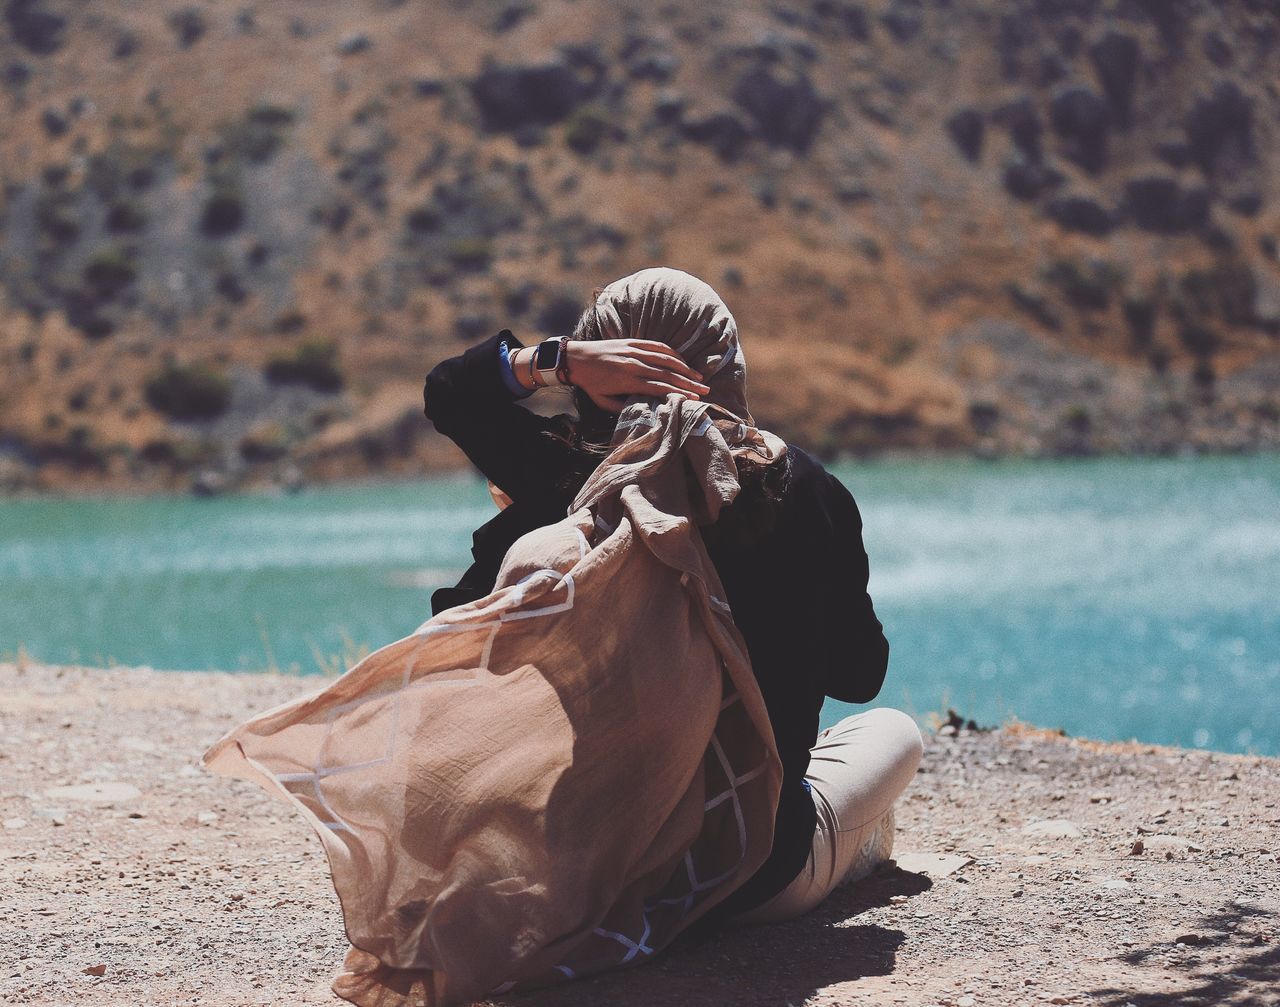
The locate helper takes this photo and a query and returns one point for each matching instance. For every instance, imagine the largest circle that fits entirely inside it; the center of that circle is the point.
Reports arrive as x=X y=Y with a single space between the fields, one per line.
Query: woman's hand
x=609 y=370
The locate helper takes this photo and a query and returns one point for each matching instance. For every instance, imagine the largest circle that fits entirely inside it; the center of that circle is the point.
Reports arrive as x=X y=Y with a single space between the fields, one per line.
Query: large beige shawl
x=559 y=778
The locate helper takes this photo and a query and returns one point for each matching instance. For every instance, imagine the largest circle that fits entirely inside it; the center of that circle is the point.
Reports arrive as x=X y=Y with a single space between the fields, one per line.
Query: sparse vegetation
x=109 y=271
x=188 y=25
x=1226 y=290
x=223 y=214
x=189 y=392
x=265 y=443
x=259 y=136
x=983 y=417
x=471 y=255
x=126 y=216
x=313 y=364
x=1088 y=285
x=588 y=127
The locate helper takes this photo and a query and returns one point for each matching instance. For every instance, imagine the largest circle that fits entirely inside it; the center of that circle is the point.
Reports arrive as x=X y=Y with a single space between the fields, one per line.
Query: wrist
x=549 y=363
x=520 y=361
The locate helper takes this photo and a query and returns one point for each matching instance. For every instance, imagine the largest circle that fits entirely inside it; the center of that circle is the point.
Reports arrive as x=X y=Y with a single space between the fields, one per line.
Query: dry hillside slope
x=234 y=235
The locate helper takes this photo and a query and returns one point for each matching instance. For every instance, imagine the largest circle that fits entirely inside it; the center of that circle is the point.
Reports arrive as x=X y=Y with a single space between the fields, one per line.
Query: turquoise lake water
x=1113 y=598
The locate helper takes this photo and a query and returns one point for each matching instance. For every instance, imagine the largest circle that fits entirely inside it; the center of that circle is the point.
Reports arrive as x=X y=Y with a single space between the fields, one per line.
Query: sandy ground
x=1019 y=875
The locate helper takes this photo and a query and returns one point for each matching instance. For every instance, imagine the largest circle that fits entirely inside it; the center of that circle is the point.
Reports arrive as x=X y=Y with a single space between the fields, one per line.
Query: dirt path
x=1018 y=880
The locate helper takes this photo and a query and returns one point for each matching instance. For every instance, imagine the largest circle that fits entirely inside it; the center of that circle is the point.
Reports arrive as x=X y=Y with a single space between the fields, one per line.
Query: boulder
x=835 y=17
x=965 y=129
x=1246 y=203
x=904 y=19
x=649 y=59
x=1050 y=69
x=1079 y=213
x=724 y=132
x=513 y=96
x=1028 y=180
x=668 y=105
x=351 y=45
x=54 y=122
x=188 y=26
x=1174 y=151
x=786 y=110
x=1219 y=127
x=1017 y=29
x=1056 y=10
x=1160 y=203
x=1266 y=299
x=1171 y=18
x=1022 y=120
x=1082 y=119
x=1115 y=59
x=1218 y=49
x=36 y=26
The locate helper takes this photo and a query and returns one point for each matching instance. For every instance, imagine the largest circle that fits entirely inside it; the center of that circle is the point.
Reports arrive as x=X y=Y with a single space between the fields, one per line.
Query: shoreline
x=942 y=726
x=1030 y=868
x=96 y=491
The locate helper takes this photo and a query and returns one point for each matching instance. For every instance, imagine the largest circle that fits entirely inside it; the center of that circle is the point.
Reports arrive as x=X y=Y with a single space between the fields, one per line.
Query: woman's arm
x=609 y=370
x=467 y=399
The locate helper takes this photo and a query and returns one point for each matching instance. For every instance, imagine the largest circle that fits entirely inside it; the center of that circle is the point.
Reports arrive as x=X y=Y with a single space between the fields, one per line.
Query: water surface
x=1113 y=598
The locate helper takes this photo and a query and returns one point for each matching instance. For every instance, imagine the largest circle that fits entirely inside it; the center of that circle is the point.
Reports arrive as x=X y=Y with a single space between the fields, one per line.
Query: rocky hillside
x=234 y=235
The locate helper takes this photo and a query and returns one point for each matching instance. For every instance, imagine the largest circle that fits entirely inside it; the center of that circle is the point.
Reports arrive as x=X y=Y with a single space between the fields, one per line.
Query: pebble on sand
x=1055 y=828
x=94 y=792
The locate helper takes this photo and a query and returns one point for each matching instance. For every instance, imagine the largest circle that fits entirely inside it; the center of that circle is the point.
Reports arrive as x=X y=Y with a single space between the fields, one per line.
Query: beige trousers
x=859 y=768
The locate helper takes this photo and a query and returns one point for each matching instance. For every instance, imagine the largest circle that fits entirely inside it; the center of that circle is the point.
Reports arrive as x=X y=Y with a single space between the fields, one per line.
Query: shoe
x=874 y=852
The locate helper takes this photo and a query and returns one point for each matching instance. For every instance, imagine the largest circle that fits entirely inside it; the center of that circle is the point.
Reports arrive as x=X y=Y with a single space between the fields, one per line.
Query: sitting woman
x=788 y=551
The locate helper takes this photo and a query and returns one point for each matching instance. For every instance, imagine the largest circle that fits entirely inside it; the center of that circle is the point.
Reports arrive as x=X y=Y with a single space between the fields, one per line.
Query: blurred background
x=1012 y=267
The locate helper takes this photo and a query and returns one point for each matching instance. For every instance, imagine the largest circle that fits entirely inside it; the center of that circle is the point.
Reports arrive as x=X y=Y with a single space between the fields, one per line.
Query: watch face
x=546 y=355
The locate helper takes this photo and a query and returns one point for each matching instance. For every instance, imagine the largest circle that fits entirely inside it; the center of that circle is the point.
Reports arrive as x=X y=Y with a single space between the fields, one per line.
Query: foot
x=875 y=851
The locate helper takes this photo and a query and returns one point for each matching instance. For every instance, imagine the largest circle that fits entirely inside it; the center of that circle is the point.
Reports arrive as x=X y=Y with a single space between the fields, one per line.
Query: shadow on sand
x=774 y=964
x=1230 y=959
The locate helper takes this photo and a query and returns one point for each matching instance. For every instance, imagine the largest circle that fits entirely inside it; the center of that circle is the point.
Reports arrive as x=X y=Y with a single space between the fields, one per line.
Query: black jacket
x=799 y=596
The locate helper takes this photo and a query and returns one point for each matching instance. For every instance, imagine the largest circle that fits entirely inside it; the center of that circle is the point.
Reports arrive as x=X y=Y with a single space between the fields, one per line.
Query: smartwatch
x=548 y=362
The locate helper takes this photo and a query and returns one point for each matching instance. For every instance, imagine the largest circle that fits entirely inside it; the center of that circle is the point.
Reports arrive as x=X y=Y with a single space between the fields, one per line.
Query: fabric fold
x=558 y=778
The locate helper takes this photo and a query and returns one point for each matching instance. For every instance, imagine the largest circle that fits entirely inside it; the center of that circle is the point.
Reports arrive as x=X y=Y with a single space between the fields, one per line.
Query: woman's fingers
x=672 y=359
x=690 y=385
x=663 y=389
x=671 y=362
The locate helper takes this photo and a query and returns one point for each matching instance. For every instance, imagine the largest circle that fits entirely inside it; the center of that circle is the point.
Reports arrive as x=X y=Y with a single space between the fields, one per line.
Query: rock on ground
x=1035 y=869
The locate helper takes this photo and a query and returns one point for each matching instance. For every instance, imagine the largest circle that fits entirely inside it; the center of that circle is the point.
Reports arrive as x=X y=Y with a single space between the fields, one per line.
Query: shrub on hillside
x=261 y=133
x=588 y=127
x=189 y=392
x=108 y=272
x=222 y=215
x=1227 y=290
x=265 y=443
x=314 y=364
x=1086 y=284
x=472 y=255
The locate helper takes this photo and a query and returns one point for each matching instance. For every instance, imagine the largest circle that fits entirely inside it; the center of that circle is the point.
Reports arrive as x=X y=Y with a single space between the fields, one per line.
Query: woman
x=601 y=737
x=788 y=550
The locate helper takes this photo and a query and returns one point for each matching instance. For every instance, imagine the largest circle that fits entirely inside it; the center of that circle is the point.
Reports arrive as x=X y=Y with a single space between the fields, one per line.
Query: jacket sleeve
x=467 y=400
x=856 y=649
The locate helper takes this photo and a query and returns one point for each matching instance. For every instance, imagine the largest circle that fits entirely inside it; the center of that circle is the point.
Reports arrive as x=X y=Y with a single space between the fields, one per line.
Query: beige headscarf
x=559 y=778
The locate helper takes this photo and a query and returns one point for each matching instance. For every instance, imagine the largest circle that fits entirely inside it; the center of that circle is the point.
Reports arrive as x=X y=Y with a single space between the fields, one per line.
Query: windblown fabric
x=559 y=778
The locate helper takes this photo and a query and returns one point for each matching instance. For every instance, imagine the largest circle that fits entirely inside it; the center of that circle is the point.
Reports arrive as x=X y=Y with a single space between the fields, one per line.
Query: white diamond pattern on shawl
x=696 y=886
